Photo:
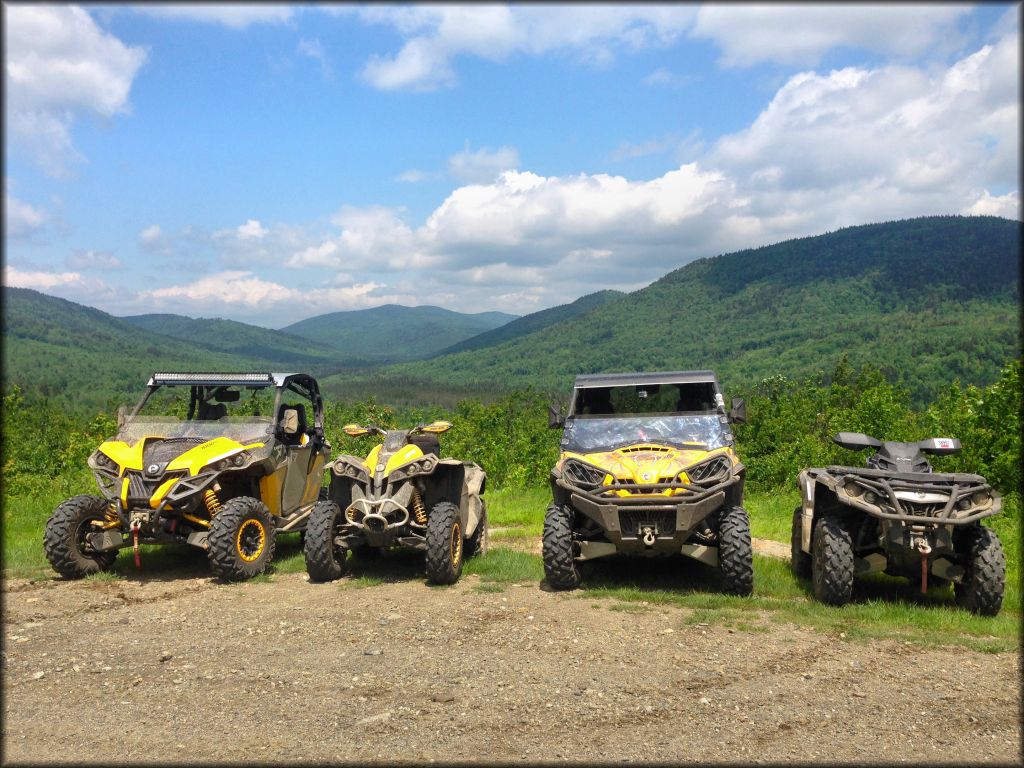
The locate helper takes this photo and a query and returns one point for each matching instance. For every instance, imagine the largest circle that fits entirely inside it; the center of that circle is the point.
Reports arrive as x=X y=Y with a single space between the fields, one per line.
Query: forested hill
x=533 y=322
x=394 y=333
x=928 y=300
x=81 y=356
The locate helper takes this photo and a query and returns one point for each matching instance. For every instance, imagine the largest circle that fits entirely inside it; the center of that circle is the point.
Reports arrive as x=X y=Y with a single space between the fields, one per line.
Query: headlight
x=870 y=497
x=982 y=497
x=852 y=489
x=345 y=467
x=578 y=473
x=964 y=503
x=104 y=462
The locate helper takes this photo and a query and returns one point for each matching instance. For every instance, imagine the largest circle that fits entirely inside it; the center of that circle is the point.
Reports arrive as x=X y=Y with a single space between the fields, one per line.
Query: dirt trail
x=185 y=670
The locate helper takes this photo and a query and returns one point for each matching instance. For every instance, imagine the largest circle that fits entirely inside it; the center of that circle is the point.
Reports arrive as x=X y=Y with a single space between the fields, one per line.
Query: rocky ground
x=179 y=668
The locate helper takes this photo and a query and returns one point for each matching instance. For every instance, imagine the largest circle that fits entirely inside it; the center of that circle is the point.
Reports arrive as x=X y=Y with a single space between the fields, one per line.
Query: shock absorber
x=418 y=510
x=213 y=504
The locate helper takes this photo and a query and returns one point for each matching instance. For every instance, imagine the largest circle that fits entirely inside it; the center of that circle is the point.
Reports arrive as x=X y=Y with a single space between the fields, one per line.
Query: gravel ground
x=182 y=669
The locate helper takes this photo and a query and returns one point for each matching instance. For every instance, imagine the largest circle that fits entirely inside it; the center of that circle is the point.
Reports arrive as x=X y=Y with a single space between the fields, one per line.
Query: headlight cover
x=583 y=475
x=421 y=466
x=709 y=472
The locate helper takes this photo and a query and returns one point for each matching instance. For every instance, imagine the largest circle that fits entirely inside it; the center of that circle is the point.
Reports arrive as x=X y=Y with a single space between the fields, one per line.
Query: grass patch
x=518 y=508
x=489 y=587
x=361 y=582
x=771 y=513
x=505 y=565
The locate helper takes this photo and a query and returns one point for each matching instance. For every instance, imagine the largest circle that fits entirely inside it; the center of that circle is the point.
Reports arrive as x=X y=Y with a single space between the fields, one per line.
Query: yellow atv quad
x=648 y=467
x=226 y=482
x=402 y=494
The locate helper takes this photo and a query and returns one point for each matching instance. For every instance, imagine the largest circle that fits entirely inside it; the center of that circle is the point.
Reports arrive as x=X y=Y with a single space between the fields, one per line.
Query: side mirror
x=555 y=417
x=738 y=414
x=437 y=427
x=353 y=430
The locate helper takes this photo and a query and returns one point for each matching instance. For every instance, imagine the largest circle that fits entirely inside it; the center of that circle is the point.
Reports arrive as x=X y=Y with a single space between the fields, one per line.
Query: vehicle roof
x=621 y=379
x=253 y=379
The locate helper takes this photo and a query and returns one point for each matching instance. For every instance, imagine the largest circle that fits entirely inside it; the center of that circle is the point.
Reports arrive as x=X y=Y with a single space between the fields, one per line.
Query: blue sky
x=268 y=163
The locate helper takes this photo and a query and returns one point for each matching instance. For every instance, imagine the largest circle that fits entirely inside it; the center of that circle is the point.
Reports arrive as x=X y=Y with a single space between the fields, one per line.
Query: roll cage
x=206 y=387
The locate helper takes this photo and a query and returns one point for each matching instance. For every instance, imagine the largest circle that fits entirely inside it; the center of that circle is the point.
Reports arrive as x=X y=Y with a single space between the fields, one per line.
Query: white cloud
x=414 y=176
x=802 y=33
x=60 y=64
x=482 y=166
x=69 y=284
x=665 y=78
x=437 y=34
x=21 y=219
x=243 y=293
x=151 y=236
x=102 y=260
x=314 y=50
x=251 y=230
x=1007 y=206
x=234 y=16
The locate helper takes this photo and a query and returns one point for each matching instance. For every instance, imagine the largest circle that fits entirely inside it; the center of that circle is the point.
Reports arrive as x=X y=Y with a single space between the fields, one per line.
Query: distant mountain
x=928 y=300
x=533 y=322
x=236 y=338
x=392 y=333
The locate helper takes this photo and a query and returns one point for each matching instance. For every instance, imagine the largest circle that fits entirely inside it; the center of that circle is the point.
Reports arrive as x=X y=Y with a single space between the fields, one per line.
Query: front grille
x=160 y=451
x=920 y=509
x=631 y=521
x=140 y=489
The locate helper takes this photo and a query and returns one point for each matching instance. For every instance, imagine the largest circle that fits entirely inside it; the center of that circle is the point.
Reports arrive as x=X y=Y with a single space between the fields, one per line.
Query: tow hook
x=924 y=548
x=648 y=534
x=135 y=542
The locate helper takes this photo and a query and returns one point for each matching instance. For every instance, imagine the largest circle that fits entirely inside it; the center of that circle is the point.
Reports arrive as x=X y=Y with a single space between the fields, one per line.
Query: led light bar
x=223 y=379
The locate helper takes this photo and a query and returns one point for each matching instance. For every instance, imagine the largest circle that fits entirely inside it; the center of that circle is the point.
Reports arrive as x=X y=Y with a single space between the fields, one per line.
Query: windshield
x=586 y=435
x=242 y=429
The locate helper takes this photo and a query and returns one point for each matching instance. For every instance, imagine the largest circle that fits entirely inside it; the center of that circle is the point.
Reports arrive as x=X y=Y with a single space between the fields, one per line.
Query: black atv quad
x=900 y=517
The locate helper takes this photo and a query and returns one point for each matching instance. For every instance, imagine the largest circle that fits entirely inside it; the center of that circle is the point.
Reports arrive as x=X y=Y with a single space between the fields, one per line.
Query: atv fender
x=808 y=483
x=462 y=481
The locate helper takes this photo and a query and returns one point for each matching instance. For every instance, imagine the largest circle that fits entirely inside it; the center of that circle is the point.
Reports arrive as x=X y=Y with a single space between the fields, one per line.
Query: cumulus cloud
x=251 y=230
x=233 y=16
x=72 y=285
x=437 y=34
x=1007 y=206
x=483 y=165
x=244 y=293
x=59 y=65
x=21 y=219
x=99 y=260
x=151 y=236
x=802 y=33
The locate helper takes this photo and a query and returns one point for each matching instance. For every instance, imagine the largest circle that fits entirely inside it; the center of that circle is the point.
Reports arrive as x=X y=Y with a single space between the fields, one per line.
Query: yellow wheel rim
x=456 y=543
x=251 y=540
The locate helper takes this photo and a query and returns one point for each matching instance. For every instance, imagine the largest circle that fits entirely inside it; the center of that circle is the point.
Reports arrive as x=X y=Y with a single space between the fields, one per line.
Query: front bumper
x=649 y=523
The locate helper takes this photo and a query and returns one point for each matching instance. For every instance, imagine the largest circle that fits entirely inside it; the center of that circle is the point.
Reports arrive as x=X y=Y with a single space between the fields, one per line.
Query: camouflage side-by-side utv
x=403 y=493
x=648 y=467
x=898 y=516
x=226 y=481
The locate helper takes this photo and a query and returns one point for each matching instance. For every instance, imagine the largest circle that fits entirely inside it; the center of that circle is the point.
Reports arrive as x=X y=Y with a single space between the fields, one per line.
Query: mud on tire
x=981 y=590
x=241 y=540
x=799 y=561
x=477 y=544
x=324 y=561
x=735 y=552
x=64 y=539
x=832 y=561
x=444 y=544
x=560 y=568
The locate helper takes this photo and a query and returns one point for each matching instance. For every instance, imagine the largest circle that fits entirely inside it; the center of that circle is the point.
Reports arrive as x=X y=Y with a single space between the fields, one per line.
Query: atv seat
x=292 y=424
x=426 y=442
